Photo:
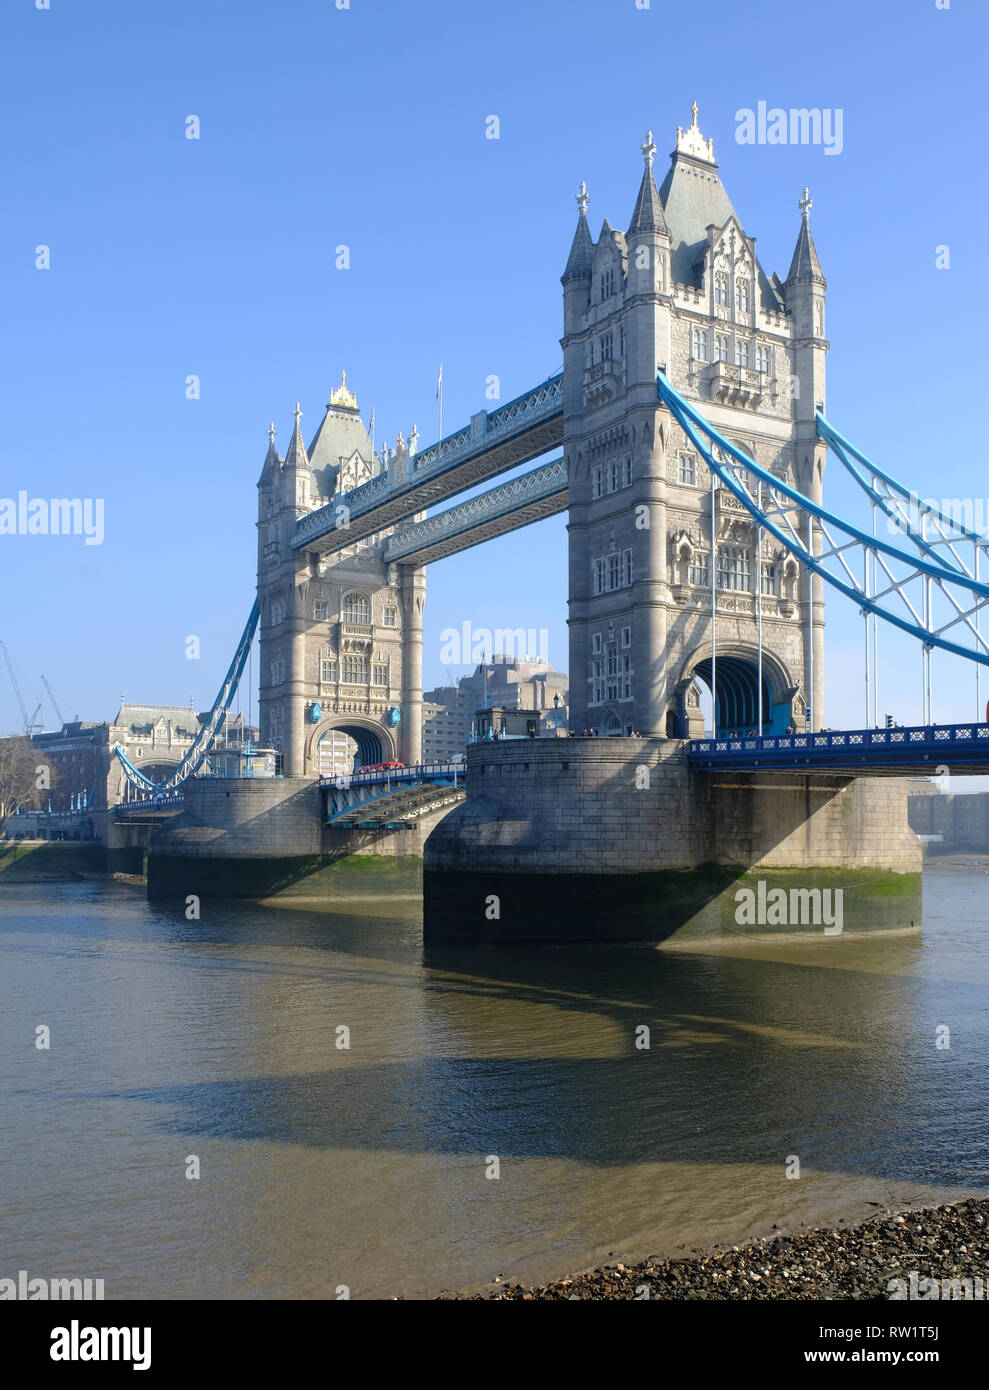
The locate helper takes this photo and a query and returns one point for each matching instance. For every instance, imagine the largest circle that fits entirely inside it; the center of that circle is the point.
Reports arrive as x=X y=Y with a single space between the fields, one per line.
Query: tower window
x=379 y=674
x=626 y=636
x=734 y=569
x=597 y=481
x=607 y=348
x=596 y=643
x=613 y=476
x=742 y=295
x=321 y=610
x=389 y=617
x=768 y=578
x=762 y=358
x=355 y=670
x=698 y=571
x=721 y=347
x=721 y=288
x=327 y=670
x=687 y=470
x=699 y=344
x=628 y=470
x=356 y=608
x=742 y=353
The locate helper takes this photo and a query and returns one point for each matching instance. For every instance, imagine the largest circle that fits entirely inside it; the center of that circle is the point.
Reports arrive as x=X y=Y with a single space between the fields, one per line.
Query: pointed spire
x=647 y=215
x=805 y=264
x=271 y=458
x=581 y=260
x=297 y=456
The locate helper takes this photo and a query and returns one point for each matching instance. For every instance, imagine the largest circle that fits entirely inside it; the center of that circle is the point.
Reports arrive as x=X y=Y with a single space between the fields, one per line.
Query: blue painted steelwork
x=413 y=489
x=149 y=803
x=778 y=521
x=347 y=795
x=898 y=500
x=213 y=723
x=963 y=747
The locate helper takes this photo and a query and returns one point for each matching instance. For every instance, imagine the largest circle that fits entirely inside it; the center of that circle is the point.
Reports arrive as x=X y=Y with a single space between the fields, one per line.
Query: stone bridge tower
x=341 y=634
x=683 y=289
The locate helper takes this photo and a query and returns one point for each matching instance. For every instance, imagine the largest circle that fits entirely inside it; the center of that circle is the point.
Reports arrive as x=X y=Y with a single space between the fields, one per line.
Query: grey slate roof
x=144 y=716
x=341 y=434
x=694 y=198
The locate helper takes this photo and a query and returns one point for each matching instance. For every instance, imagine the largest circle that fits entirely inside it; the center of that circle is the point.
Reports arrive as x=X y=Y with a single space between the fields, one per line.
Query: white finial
x=297 y=412
x=648 y=149
x=582 y=198
x=805 y=204
x=693 y=112
x=271 y=434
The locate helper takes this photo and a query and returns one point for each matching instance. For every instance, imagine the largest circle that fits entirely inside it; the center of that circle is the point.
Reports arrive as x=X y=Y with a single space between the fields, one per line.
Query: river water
x=322 y=1166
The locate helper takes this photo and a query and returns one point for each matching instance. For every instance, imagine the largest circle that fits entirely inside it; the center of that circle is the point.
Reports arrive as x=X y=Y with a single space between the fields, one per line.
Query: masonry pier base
x=617 y=839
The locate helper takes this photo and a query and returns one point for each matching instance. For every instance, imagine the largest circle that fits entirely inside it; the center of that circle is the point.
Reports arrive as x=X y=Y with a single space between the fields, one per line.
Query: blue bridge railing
x=952 y=744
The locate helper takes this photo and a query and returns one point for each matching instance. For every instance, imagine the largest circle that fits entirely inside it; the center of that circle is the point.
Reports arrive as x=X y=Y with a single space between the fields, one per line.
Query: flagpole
x=439 y=397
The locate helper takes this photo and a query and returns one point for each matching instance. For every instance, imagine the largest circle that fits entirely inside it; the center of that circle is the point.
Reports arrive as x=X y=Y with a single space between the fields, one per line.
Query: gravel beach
x=855 y=1262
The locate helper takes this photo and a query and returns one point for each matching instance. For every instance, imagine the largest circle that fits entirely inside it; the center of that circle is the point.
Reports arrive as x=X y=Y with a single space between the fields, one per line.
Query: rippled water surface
x=323 y=1166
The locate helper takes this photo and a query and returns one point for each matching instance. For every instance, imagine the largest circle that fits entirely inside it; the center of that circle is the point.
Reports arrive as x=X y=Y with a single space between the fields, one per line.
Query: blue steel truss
x=914 y=592
x=211 y=726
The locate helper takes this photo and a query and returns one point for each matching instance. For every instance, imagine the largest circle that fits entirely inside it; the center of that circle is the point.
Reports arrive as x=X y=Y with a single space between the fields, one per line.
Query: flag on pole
x=439 y=382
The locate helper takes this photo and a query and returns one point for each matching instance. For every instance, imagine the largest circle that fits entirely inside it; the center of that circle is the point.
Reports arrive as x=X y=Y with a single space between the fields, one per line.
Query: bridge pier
x=604 y=839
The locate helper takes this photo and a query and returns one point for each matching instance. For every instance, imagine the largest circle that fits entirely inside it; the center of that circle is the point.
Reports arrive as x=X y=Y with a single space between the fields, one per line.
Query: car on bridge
x=377 y=767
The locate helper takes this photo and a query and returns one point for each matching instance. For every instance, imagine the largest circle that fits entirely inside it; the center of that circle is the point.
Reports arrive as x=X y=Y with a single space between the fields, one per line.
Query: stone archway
x=734 y=669
x=369 y=743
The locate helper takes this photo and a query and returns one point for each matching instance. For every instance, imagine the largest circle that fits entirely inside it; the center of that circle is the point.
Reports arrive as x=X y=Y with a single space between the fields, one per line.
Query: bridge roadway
x=393 y=798
x=897 y=752
x=492 y=443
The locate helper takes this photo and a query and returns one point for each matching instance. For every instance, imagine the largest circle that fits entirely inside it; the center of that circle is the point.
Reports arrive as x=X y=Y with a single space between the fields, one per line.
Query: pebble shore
x=854 y=1262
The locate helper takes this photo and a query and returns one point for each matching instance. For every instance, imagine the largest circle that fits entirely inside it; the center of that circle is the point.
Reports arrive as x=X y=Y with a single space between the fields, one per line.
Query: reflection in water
x=366 y=1166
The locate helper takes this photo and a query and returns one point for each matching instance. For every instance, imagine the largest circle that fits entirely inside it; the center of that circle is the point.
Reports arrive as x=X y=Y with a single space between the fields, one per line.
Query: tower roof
x=341 y=434
x=297 y=456
x=581 y=259
x=647 y=216
x=272 y=459
x=694 y=198
x=805 y=264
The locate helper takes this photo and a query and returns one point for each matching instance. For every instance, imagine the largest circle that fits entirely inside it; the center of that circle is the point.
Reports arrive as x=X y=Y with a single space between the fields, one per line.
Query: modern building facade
x=508 y=682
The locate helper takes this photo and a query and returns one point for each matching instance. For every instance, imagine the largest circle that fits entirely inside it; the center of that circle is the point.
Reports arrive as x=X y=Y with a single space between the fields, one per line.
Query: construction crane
x=51 y=697
x=28 y=722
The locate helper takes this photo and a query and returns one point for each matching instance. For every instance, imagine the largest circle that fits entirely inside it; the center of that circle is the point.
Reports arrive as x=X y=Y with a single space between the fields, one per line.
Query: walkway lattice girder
x=541 y=493
x=493 y=443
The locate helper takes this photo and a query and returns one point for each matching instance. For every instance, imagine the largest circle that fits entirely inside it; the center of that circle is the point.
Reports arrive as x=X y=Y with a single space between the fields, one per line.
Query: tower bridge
x=692 y=416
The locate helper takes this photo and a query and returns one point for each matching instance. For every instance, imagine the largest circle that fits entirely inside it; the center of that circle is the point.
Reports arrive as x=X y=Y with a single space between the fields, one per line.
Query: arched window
x=356 y=608
x=742 y=296
x=700 y=344
x=721 y=288
x=721 y=347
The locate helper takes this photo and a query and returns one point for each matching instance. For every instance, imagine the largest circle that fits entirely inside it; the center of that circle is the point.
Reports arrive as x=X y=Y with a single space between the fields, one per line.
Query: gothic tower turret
x=654 y=550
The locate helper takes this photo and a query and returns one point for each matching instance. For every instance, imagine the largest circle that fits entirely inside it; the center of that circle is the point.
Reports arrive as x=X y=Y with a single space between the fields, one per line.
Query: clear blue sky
x=366 y=127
